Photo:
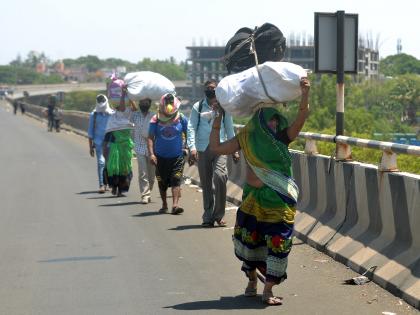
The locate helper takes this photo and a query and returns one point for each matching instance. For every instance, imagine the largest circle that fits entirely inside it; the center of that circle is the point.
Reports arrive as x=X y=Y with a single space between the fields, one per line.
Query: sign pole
x=339 y=117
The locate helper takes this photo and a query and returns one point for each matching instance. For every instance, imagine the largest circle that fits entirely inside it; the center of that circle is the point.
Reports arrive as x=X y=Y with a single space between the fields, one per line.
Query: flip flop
x=163 y=210
x=177 y=210
x=221 y=223
x=251 y=289
x=269 y=299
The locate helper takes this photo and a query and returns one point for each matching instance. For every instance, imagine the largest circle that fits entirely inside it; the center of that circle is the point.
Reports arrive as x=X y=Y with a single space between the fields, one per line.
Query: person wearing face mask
x=141 y=120
x=98 y=120
x=167 y=131
x=211 y=167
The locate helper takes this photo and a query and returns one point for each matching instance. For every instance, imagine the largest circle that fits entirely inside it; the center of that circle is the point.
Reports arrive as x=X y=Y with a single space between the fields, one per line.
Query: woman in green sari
x=118 y=148
x=264 y=221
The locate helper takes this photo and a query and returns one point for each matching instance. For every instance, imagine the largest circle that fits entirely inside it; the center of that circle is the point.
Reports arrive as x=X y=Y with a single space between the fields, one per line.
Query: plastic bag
x=147 y=84
x=242 y=92
x=115 y=90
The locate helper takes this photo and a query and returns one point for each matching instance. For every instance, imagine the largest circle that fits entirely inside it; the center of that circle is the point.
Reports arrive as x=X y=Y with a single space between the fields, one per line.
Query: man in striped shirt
x=141 y=120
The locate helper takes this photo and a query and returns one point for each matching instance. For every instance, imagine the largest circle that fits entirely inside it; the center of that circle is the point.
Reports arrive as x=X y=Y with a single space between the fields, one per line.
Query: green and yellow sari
x=264 y=222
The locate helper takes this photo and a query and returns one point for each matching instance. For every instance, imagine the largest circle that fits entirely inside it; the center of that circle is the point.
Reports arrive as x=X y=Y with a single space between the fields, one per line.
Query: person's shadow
x=239 y=302
x=146 y=214
x=186 y=227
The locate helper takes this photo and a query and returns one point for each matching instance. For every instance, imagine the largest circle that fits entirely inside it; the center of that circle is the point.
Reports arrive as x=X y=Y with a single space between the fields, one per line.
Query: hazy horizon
x=133 y=30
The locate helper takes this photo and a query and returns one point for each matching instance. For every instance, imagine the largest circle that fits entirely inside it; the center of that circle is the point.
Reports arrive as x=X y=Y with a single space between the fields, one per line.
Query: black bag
x=270 y=45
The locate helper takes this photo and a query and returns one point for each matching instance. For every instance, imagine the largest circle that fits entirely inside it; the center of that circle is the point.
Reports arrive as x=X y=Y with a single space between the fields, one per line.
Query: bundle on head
x=270 y=45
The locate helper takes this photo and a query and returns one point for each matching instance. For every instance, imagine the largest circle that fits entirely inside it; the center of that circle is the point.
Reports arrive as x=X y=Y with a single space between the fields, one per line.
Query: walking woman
x=264 y=221
x=118 y=148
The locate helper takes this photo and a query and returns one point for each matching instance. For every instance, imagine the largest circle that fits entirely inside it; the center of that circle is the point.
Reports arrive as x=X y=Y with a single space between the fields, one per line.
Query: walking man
x=211 y=167
x=141 y=120
x=167 y=131
x=98 y=120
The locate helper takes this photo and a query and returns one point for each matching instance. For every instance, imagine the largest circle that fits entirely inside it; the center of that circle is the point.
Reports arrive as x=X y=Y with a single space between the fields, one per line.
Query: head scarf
x=104 y=106
x=168 y=107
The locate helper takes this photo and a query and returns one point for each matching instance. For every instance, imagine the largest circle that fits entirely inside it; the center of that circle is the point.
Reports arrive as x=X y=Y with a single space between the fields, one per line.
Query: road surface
x=67 y=250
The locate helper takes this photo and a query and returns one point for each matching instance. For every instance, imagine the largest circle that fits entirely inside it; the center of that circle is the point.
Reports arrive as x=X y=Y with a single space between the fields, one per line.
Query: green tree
x=168 y=68
x=92 y=63
x=405 y=96
x=80 y=100
x=22 y=75
x=399 y=64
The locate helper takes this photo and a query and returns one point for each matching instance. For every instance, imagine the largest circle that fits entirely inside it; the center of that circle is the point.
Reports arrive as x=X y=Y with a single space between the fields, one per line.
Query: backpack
x=270 y=45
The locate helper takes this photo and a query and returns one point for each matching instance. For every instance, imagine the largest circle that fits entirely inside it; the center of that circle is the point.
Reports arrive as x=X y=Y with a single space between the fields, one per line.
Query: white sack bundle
x=147 y=84
x=242 y=92
x=119 y=121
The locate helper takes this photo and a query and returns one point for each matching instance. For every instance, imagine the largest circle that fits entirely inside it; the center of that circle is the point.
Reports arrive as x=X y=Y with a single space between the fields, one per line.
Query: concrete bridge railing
x=355 y=212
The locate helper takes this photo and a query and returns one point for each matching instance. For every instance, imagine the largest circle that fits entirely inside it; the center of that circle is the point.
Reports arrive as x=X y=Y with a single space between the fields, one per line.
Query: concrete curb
x=362 y=218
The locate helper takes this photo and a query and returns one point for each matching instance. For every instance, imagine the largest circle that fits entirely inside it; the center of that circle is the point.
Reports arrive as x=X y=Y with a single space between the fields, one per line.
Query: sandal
x=163 y=210
x=251 y=289
x=114 y=191
x=221 y=223
x=177 y=210
x=269 y=299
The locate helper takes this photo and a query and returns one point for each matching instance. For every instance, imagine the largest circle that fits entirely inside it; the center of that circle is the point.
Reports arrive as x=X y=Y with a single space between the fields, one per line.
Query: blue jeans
x=101 y=164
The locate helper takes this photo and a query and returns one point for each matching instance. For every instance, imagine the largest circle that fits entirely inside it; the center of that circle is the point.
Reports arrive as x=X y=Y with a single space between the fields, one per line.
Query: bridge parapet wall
x=365 y=218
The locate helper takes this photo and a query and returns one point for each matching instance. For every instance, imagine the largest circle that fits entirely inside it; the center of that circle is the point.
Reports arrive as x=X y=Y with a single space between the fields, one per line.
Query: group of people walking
x=264 y=221
x=162 y=142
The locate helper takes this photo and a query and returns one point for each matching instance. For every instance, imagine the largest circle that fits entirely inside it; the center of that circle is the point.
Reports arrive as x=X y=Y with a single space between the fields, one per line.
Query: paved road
x=66 y=250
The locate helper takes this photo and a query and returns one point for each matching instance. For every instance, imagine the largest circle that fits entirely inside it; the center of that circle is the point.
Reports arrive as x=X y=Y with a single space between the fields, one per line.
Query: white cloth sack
x=119 y=121
x=241 y=93
x=147 y=84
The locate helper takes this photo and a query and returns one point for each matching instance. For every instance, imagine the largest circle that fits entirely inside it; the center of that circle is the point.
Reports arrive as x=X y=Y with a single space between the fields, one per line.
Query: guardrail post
x=310 y=147
x=388 y=162
x=342 y=152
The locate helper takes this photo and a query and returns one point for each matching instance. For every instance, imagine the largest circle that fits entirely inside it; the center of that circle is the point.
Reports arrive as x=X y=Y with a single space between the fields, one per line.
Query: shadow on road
x=105 y=197
x=146 y=214
x=225 y=303
x=87 y=192
x=186 y=227
x=118 y=204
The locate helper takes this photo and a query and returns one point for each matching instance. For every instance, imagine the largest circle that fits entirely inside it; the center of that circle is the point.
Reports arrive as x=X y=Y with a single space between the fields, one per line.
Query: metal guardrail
x=343 y=149
x=365 y=143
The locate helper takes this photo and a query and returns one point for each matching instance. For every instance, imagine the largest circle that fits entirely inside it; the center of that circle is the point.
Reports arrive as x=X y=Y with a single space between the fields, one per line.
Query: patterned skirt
x=263 y=233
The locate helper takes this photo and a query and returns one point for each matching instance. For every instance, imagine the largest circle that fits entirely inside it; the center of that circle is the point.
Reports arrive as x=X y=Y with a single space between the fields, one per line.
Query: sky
x=158 y=29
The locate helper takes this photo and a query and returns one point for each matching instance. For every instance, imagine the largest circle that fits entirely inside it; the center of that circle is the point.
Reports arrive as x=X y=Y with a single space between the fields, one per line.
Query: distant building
x=76 y=73
x=59 y=66
x=41 y=67
x=368 y=63
x=204 y=62
x=303 y=56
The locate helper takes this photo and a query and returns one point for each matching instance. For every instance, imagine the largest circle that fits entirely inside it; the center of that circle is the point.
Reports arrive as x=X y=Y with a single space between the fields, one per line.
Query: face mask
x=210 y=94
x=100 y=107
x=144 y=108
